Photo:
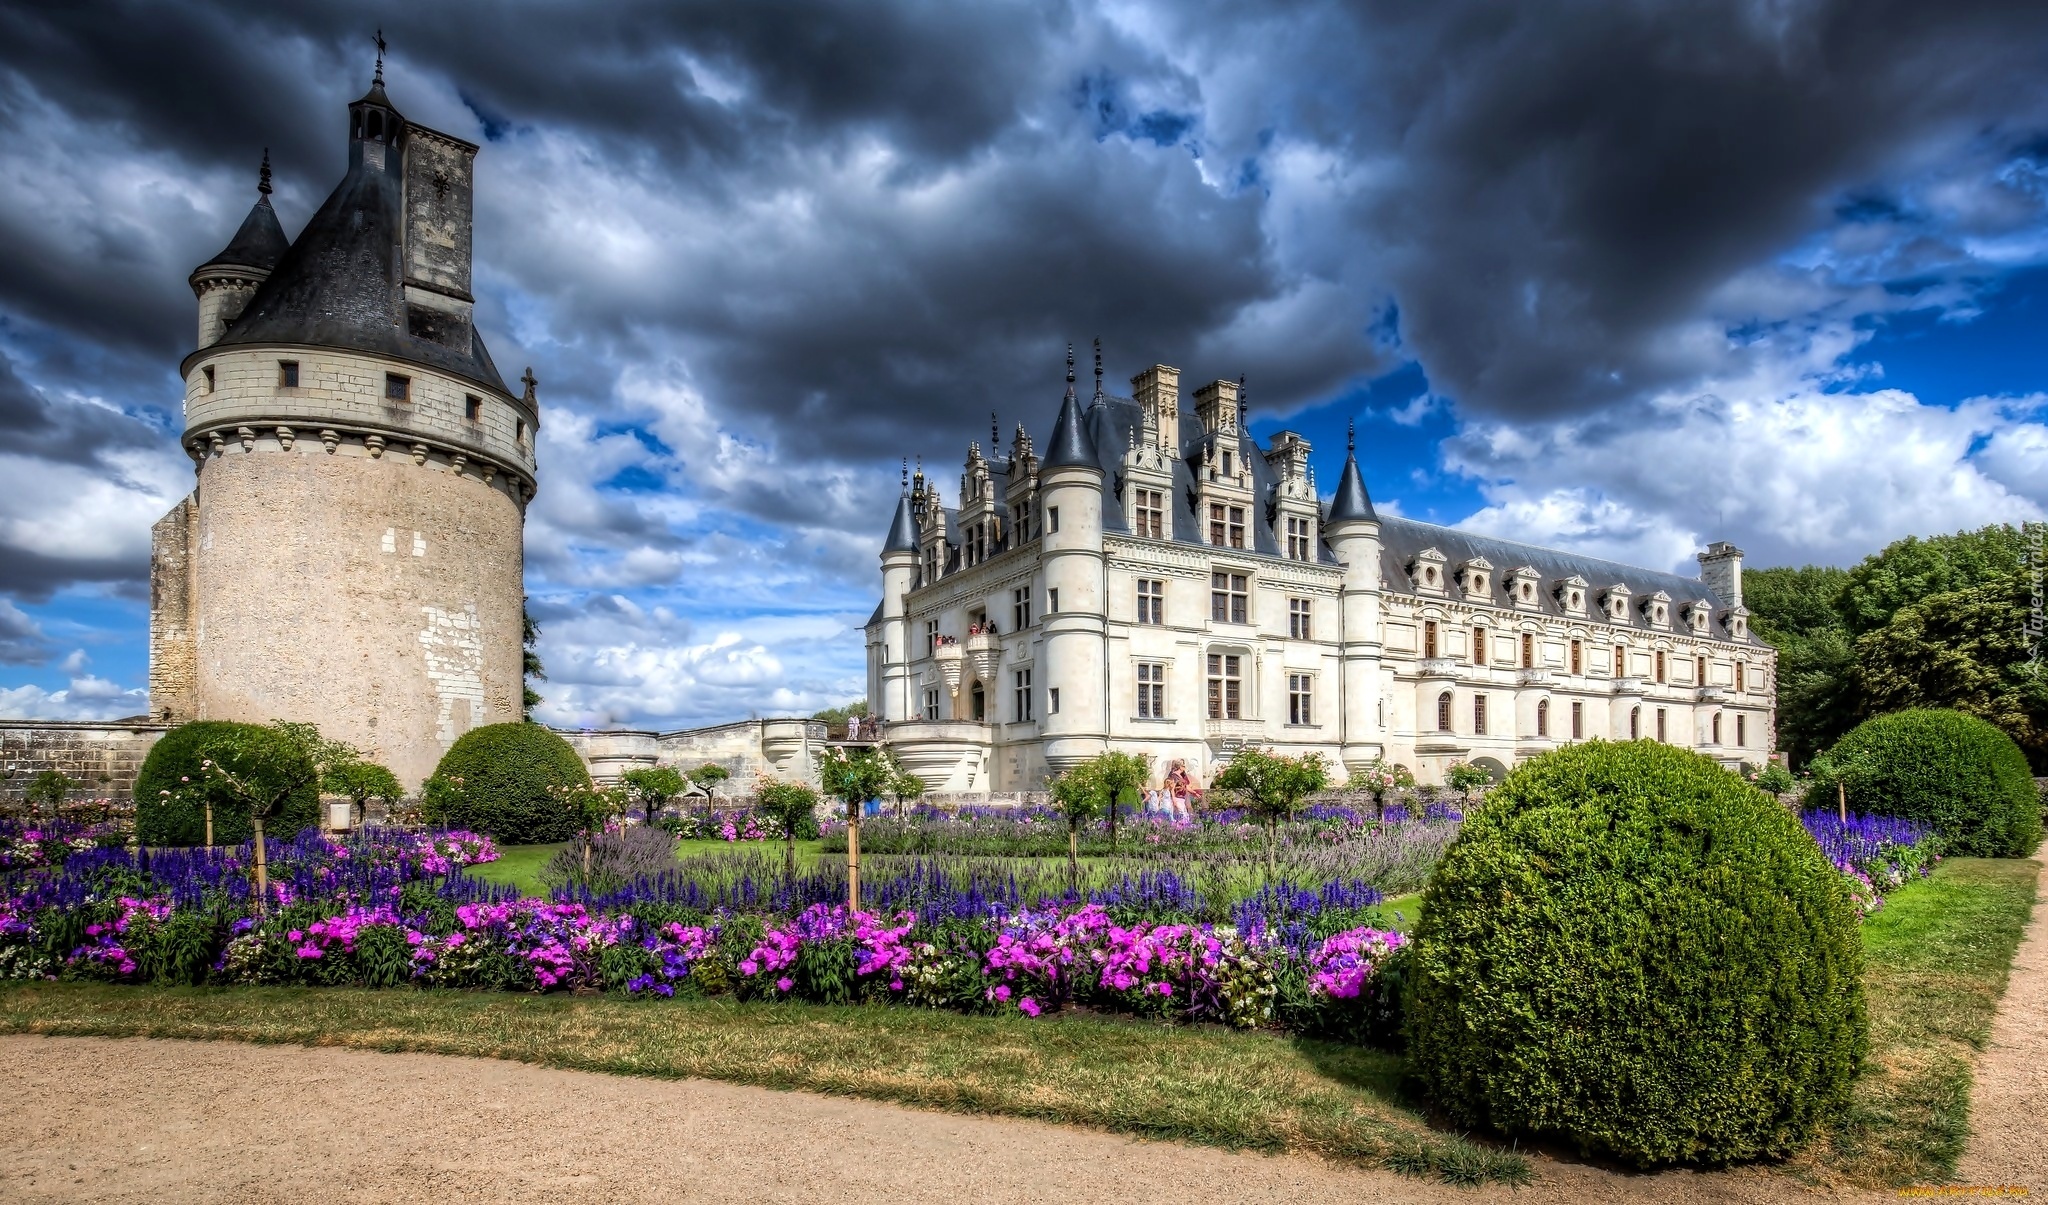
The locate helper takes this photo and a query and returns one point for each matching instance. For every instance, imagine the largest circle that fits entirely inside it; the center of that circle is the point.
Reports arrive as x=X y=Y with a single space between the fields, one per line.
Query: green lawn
x=519 y=865
x=1938 y=958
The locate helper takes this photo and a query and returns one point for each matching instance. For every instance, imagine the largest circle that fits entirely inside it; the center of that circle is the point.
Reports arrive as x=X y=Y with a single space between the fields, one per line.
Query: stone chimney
x=1721 y=570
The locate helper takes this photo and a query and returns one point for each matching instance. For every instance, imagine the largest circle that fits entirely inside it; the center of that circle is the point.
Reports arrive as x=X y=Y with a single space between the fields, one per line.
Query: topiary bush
x=502 y=779
x=1955 y=772
x=1631 y=950
x=180 y=818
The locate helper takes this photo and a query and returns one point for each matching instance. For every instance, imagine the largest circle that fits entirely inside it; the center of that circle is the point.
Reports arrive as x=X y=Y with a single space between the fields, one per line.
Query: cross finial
x=1098 y=368
x=1351 y=435
x=530 y=381
x=995 y=431
x=1070 y=370
x=263 y=175
x=1244 y=401
x=906 y=474
x=380 y=56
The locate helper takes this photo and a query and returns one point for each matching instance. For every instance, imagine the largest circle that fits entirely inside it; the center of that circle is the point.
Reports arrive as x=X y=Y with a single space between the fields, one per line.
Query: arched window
x=1528 y=651
x=1543 y=717
x=1443 y=712
x=980 y=702
x=1635 y=722
x=1717 y=728
x=1479 y=646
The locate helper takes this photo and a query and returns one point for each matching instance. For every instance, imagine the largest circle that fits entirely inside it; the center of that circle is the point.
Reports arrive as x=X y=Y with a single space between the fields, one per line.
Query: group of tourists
x=1176 y=799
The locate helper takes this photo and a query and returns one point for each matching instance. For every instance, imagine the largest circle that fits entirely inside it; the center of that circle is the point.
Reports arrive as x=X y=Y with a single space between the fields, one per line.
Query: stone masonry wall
x=102 y=758
x=173 y=650
x=374 y=596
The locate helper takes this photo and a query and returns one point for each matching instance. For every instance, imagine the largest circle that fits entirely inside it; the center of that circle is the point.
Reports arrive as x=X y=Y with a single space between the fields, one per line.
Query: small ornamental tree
x=261 y=769
x=789 y=804
x=1379 y=778
x=1081 y=796
x=708 y=775
x=46 y=791
x=904 y=785
x=361 y=780
x=1466 y=777
x=653 y=786
x=1958 y=773
x=1120 y=774
x=1272 y=786
x=856 y=778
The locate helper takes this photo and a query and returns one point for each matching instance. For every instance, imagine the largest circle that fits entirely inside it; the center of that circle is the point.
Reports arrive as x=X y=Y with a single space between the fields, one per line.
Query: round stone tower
x=351 y=555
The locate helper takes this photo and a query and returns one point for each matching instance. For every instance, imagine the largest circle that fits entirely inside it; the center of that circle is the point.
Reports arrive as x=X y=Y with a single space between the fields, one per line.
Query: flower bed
x=1874 y=853
x=383 y=910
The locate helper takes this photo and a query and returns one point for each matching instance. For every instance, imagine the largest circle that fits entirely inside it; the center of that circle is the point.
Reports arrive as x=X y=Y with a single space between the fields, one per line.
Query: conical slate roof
x=903 y=529
x=1352 y=503
x=259 y=244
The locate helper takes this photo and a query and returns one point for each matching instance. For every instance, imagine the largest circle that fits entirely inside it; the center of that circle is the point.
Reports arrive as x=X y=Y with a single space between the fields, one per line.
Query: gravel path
x=2009 y=1095
x=138 y=1120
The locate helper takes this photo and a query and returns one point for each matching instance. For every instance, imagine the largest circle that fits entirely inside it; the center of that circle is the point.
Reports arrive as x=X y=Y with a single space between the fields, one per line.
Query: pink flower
x=784 y=984
x=1002 y=991
x=1028 y=1007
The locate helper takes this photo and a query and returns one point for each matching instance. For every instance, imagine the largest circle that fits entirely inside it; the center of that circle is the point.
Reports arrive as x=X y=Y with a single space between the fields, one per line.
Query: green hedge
x=173 y=765
x=1631 y=950
x=499 y=779
x=1963 y=776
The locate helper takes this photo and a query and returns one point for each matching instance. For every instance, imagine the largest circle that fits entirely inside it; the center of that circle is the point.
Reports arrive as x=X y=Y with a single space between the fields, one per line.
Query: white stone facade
x=1290 y=623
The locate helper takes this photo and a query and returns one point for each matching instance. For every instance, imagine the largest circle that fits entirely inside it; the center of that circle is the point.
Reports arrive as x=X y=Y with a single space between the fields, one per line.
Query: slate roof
x=902 y=529
x=259 y=242
x=340 y=282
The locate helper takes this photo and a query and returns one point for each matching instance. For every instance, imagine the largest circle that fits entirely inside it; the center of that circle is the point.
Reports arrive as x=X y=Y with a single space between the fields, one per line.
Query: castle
x=351 y=552
x=1157 y=582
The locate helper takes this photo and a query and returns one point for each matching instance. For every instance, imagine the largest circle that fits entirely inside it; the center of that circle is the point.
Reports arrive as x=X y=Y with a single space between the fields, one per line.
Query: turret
x=1353 y=531
x=225 y=283
x=1075 y=724
x=899 y=578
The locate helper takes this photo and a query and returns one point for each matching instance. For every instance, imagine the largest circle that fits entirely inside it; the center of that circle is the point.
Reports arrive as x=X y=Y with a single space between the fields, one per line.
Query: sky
x=1622 y=278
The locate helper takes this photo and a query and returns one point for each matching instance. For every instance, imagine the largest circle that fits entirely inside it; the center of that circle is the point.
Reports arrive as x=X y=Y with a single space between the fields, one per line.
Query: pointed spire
x=260 y=242
x=1351 y=503
x=263 y=174
x=1071 y=444
x=903 y=525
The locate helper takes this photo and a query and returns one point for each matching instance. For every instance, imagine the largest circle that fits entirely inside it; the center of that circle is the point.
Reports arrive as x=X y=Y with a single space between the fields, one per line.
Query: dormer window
x=1616 y=604
x=1696 y=617
x=1522 y=586
x=1657 y=609
x=1427 y=570
x=1474 y=576
x=1738 y=623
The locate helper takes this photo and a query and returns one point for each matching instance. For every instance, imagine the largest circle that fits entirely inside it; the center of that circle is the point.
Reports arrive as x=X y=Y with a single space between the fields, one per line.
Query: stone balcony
x=1631 y=686
x=1532 y=677
x=1437 y=667
x=1233 y=732
x=1713 y=694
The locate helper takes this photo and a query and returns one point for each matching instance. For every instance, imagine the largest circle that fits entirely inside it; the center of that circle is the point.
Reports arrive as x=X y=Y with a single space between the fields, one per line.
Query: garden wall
x=102 y=756
x=785 y=749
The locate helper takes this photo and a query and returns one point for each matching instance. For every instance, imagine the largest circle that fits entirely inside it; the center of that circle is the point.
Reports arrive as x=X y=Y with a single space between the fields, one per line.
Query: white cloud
x=86 y=698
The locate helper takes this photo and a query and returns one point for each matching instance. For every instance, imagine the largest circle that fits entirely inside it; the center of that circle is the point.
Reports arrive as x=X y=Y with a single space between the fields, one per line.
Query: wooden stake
x=209 y=823
x=1842 y=801
x=853 y=857
x=262 y=871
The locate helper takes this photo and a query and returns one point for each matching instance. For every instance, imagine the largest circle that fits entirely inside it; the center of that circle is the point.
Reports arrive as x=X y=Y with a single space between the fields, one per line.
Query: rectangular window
x=1578 y=721
x=1741 y=677
x=519 y=433
x=1237 y=527
x=1429 y=637
x=1228 y=598
x=1699 y=673
x=472 y=407
x=1052 y=520
x=1020 y=607
x=1151 y=601
x=1216 y=524
x=287 y=374
x=931 y=637
x=1301 y=701
x=1578 y=661
x=1479 y=715
x=1052 y=602
x=1660 y=723
x=1620 y=662
x=1528 y=651
x=1226 y=464
x=931 y=705
x=1052 y=700
x=1479 y=646
x=1225 y=684
x=1151 y=514
x=1298 y=541
x=1741 y=731
x=1298 y=619
x=1151 y=691
x=397 y=388
x=1717 y=728
x=1660 y=669
x=1022 y=682
x=207 y=372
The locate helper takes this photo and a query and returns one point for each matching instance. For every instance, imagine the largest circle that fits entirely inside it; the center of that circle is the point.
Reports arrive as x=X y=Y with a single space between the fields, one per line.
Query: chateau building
x=350 y=554
x=1157 y=582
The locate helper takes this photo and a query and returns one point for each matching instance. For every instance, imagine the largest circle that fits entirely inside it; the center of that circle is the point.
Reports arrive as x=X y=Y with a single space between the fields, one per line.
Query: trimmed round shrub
x=173 y=765
x=1633 y=951
x=500 y=779
x=1964 y=777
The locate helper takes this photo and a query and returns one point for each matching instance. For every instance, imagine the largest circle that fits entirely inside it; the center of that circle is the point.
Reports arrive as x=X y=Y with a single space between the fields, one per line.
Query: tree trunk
x=1112 y=821
x=1271 y=827
x=853 y=857
x=789 y=851
x=1074 y=856
x=262 y=870
x=586 y=859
